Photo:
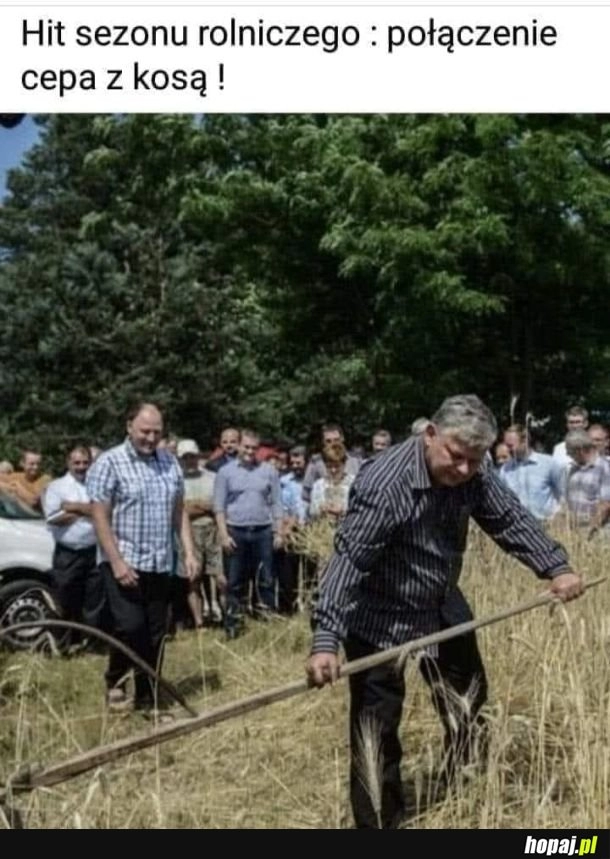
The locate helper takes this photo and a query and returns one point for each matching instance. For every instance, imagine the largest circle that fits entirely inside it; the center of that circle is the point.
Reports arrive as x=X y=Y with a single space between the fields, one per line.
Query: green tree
x=109 y=298
x=406 y=257
x=285 y=270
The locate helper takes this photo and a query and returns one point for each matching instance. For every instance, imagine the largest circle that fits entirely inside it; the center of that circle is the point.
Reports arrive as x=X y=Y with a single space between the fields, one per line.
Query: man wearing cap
x=199 y=505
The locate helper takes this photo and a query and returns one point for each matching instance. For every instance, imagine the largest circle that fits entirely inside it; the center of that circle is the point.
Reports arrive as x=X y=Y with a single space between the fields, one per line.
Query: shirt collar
x=591 y=464
x=530 y=459
x=250 y=466
x=419 y=469
x=132 y=453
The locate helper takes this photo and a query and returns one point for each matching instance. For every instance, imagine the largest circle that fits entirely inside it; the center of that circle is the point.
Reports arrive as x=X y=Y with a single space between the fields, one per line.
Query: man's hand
x=124 y=574
x=567 y=586
x=278 y=541
x=192 y=567
x=228 y=543
x=322 y=668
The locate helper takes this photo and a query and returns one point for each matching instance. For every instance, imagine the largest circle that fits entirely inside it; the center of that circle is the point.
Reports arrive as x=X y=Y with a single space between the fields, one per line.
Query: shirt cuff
x=57 y=514
x=325 y=642
x=558 y=571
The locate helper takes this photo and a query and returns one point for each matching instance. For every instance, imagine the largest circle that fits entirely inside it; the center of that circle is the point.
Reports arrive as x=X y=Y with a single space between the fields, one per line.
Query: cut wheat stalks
x=111 y=641
x=31 y=777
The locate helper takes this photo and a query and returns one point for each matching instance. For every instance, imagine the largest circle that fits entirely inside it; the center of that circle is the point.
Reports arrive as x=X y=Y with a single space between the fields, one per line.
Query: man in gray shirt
x=393 y=578
x=248 y=508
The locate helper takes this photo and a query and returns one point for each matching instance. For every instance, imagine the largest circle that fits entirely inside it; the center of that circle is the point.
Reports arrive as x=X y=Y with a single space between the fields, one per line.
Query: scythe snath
x=31 y=777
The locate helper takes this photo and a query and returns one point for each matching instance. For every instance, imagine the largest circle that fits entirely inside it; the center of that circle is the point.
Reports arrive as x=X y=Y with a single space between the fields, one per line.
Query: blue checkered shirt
x=143 y=492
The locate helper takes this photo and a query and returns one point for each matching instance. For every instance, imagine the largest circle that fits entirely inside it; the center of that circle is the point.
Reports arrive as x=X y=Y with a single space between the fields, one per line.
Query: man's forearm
x=195 y=509
x=517 y=532
x=186 y=533
x=103 y=530
x=32 y=499
x=63 y=519
x=329 y=613
x=80 y=508
x=221 y=522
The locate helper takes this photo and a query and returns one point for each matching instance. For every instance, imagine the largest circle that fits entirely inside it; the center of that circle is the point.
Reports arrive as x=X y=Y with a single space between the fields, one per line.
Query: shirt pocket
x=131 y=488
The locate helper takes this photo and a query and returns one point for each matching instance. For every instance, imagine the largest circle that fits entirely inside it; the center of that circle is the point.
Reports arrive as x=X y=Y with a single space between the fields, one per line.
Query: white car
x=26 y=557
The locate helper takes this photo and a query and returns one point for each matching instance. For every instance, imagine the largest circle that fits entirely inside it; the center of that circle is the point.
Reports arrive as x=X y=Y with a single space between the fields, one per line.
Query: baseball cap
x=187 y=445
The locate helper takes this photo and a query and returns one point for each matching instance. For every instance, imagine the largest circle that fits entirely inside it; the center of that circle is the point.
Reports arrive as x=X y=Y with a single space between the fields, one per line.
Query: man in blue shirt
x=535 y=478
x=137 y=496
x=248 y=508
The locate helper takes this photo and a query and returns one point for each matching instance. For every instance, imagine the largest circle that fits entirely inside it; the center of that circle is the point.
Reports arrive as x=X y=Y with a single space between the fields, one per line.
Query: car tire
x=28 y=600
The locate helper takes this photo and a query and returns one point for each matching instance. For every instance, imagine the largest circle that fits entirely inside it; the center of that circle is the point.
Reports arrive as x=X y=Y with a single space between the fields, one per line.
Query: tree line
x=281 y=271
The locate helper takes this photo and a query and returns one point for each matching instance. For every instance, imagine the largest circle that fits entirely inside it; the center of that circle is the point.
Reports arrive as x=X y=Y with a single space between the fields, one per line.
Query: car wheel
x=26 y=600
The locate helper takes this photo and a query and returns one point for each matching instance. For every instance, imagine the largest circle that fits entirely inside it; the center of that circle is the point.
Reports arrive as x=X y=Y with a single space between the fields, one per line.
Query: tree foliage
x=286 y=270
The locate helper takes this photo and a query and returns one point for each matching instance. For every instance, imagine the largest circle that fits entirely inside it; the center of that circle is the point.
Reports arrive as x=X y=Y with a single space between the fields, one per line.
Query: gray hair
x=419 y=425
x=579 y=439
x=467 y=418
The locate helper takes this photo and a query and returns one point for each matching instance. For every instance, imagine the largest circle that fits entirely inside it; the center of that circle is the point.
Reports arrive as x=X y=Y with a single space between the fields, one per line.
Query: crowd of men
x=152 y=533
x=244 y=499
x=571 y=484
x=131 y=521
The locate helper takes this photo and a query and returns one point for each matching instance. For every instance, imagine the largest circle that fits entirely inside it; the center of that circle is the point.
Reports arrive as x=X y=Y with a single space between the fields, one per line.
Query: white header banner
x=254 y=58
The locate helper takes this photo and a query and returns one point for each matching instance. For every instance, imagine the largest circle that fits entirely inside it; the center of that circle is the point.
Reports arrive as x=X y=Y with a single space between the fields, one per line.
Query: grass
x=285 y=767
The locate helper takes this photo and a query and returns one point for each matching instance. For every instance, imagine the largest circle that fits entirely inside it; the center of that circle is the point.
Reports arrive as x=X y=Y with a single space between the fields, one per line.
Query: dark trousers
x=310 y=579
x=79 y=587
x=179 y=612
x=286 y=565
x=139 y=620
x=376 y=702
x=254 y=551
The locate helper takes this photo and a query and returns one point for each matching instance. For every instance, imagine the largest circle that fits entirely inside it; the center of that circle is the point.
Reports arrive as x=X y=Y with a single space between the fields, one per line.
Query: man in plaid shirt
x=137 y=492
x=587 y=483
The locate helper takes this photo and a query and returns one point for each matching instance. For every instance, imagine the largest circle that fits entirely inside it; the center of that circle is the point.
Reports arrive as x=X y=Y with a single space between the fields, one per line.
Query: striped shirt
x=398 y=552
x=143 y=492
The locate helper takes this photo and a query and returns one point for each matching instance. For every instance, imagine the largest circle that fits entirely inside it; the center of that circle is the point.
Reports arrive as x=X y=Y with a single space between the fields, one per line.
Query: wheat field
x=286 y=766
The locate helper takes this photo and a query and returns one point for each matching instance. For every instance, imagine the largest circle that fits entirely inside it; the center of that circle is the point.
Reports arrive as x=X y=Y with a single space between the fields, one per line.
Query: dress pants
x=79 y=587
x=376 y=699
x=139 y=620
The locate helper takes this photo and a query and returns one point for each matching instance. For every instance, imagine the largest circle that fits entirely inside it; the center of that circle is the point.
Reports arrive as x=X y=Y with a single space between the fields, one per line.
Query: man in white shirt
x=78 y=584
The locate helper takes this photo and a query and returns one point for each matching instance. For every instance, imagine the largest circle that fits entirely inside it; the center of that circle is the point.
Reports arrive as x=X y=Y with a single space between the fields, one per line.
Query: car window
x=12 y=508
